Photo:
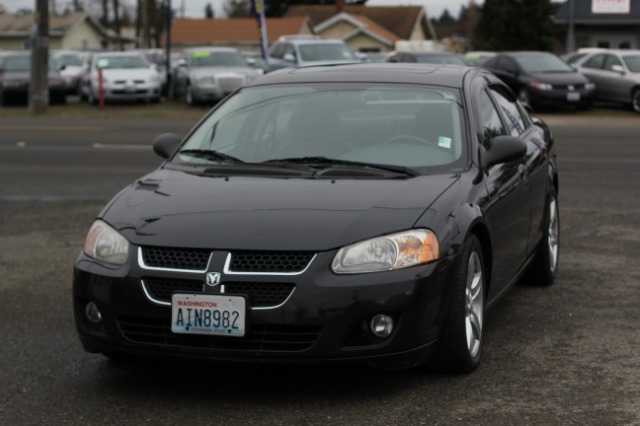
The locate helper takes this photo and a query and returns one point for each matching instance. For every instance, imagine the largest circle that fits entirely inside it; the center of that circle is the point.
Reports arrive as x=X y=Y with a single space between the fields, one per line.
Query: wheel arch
x=481 y=232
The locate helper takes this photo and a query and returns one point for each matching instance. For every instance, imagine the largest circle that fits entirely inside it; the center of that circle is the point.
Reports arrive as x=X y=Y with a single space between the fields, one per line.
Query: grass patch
x=75 y=109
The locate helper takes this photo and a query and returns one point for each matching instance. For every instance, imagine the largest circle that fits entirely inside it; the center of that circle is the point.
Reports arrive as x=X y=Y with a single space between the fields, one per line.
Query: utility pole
x=39 y=84
x=571 y=37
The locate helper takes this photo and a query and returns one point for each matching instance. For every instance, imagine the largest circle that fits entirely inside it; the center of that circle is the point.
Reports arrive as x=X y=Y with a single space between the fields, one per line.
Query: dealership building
x=611 y=24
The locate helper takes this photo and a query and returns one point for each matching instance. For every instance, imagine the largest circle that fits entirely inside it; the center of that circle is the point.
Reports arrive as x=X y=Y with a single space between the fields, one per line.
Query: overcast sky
x=195 y=8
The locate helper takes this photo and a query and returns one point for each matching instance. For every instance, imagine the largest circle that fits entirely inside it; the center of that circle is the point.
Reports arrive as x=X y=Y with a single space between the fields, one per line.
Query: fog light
x=93 y=313
x=382 y=326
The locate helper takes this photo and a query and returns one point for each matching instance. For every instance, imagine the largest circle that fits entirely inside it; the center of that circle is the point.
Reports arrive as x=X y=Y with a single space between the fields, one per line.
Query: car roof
x=313 y=41
x=211 y=49
x=436 y=74
x=426 y=52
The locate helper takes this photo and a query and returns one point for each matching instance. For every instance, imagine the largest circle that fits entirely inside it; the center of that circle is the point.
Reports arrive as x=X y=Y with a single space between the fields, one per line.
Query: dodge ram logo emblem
x=213 y=279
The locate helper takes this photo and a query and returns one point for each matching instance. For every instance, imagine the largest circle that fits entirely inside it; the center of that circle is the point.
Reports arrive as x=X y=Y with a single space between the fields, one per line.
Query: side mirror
x=289 y=57
x=502 y=149
x=166 y=144
x=618 y=69
x=394 y=60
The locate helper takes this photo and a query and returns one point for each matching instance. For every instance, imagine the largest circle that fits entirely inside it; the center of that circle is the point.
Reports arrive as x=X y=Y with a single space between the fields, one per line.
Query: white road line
x=119 y=146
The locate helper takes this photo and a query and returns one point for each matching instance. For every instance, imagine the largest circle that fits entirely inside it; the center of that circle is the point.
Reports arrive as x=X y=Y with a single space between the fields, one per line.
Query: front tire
x=544 y=269
x=462 y=338
x=635 y=99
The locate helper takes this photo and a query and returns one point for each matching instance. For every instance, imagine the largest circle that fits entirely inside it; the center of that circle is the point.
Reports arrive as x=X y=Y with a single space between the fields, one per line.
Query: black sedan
x=542 y=79
x=366 y=212
x=15 y=78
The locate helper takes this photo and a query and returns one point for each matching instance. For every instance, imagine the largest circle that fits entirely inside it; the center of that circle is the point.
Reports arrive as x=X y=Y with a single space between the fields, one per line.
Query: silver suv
x=308 y=51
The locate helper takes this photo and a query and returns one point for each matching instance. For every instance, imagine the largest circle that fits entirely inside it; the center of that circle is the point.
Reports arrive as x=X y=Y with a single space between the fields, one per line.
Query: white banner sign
x=610 y=6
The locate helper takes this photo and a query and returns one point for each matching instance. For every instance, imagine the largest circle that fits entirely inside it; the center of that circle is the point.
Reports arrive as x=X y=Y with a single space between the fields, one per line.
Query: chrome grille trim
x=154 y=268
x=227 y=269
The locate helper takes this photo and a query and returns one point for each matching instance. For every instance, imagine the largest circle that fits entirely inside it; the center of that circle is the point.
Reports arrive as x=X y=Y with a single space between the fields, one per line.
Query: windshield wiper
x=210 y=154
x=324 y=163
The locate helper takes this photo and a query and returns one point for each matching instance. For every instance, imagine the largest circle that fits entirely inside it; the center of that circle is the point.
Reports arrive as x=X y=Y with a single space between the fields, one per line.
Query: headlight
x=590 y=86
x=154 y=79
x=386 y=253
x=541 y=86
x=105 y=244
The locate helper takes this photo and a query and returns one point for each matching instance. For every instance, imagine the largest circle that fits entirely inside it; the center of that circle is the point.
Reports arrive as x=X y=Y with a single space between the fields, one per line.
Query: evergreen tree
x=208 y=11
x=515 y=25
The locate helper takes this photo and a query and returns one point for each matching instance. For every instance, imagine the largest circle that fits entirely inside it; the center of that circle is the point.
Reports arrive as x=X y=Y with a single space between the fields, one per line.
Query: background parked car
x=542 y=79
x=127 y=76
x=15 y=78
x=478 y=57
x=426 y=58
x=616 y=74
x=69 y=64
x=296 y=51
x=573 y=57
x=209 y=74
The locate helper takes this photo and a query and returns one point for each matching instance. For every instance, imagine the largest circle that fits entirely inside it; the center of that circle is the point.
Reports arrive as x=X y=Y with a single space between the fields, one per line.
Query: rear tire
x=462 y=339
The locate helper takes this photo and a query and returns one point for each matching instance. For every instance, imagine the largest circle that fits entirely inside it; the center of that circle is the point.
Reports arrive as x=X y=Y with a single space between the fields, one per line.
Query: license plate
x=573 y=96
x=218 y=315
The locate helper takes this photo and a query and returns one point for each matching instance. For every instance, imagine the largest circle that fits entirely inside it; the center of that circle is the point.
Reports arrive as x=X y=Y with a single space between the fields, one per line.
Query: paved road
x=567 y=355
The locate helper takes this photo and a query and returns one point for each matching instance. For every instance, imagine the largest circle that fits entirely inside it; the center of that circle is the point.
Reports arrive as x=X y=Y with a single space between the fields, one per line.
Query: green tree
x=208 y=11
x=515 y=25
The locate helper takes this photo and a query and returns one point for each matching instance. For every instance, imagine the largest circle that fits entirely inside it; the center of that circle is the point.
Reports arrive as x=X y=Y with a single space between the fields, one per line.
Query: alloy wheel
x=474 y=310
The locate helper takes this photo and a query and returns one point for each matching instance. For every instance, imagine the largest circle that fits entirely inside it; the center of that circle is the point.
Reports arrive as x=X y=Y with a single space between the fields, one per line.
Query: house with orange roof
x=368 y=28
x=241 y=33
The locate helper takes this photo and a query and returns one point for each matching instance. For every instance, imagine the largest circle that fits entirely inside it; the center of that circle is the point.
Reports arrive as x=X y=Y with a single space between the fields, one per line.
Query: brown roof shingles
x=400 y=20
x=205 y=31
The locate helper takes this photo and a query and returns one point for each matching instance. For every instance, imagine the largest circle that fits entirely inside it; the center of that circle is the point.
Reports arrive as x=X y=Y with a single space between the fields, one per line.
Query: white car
x=126 y=76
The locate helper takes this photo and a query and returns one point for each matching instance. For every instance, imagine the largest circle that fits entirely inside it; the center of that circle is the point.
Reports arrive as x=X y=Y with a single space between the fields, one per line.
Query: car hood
x=560 y=78
x=129 y=74
x=221 y=71
x=177 y=209
x=25 y=75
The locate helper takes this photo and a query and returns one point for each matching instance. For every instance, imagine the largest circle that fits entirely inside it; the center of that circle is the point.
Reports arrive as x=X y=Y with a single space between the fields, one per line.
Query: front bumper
x=561 y=97
x=324 y=317
x=131 y=92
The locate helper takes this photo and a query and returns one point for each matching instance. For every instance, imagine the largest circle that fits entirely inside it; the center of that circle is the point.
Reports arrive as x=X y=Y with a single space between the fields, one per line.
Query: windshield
x=67 y=60
x=17 y=63
x=633 y=62
x=395 y=125
x=542 y=63
x=121 y=62
x=326 y=52
x=217 y=59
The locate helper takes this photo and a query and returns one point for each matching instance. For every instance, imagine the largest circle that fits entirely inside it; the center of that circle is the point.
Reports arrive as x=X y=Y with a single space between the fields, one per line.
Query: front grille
x=161 y=289
x=270 y=262
x=248 y=262
x=230 y=84
x=260 y=337
x=260 y=295
x=176 y=258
